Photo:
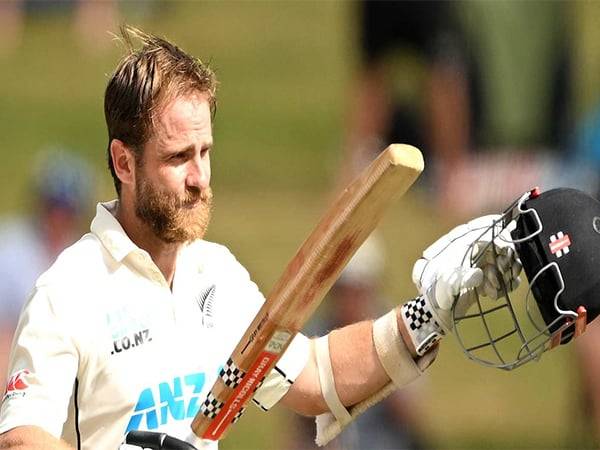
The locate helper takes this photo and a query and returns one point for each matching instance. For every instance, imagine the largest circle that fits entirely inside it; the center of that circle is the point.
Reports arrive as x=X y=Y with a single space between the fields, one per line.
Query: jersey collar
x=110 y=232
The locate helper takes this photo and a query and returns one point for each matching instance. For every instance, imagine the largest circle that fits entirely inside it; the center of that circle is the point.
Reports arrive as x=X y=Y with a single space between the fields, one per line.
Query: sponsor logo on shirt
x=205 y=301
x=131 y=341
x=177 y=399
x=127 y=330
x=17 y=384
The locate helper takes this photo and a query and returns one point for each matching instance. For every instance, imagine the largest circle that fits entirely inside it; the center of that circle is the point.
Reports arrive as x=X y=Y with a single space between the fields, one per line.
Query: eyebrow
x=185 y=149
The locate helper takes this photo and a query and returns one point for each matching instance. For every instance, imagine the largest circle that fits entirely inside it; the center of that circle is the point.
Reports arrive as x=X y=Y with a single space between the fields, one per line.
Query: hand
x=474 y=258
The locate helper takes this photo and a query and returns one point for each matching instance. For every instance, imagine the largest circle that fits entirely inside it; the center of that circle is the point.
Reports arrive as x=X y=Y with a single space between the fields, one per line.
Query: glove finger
x=510 y=269
x=510 y=265
x=510 y=255
x=464 y=303
x=513 y=284
x=507 y=275
x=464 y=278
x=488 y=290
x=491 y=276
x=471 y=278
x=471 y=254
x=516 y=268
x=510 y=252
x=503 y=245
x=490 y=256
x=483 y=252
x=504 y=263
x=492 y=253
x=418 y=270
x=443 y=294
x=454 y=282
x=477 y=253
x=501 y=241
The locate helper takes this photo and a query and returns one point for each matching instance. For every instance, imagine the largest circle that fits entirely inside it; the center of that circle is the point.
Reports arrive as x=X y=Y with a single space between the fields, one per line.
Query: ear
x=123 y=160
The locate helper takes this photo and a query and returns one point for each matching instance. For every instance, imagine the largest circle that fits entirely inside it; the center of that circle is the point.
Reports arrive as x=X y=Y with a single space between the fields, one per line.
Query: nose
x=199 y=173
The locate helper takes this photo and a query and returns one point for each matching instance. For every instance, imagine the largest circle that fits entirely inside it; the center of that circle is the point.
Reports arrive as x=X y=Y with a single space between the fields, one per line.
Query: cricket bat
x=304 y=283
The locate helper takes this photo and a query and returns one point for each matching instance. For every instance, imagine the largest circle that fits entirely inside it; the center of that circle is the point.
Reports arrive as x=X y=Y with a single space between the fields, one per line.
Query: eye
x=178 y=157
x=204 y=151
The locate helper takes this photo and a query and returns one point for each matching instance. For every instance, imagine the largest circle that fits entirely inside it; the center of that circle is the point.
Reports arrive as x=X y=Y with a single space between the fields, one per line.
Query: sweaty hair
x=145 y=80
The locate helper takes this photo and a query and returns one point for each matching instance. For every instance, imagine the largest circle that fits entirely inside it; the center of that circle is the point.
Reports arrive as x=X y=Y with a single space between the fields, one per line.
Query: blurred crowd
x=59 y=211
x=91 y=20
x=502 y=96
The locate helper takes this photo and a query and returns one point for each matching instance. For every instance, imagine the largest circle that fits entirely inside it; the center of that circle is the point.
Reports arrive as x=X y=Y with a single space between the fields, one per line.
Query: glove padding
x=473 y=258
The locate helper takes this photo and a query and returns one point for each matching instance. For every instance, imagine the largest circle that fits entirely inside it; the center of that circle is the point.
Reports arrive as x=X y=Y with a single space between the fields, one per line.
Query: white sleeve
x=42 y=370
x=283 y=375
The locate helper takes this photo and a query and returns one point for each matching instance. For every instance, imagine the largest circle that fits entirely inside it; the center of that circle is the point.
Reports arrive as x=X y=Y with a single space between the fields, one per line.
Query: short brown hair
x=144 y=81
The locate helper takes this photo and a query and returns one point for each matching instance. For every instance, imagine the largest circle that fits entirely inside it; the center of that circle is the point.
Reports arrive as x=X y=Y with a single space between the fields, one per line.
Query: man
x=104 y=346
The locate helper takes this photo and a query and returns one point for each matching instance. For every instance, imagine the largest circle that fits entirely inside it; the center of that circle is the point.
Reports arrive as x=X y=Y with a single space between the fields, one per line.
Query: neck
x=163 y=254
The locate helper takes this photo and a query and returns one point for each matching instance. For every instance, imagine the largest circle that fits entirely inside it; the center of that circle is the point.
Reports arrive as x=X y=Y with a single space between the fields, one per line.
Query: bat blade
x=304 y=283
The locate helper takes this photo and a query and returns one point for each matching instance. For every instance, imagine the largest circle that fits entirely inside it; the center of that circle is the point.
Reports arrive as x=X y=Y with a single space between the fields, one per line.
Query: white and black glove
x=149 y=440
x=474 y=258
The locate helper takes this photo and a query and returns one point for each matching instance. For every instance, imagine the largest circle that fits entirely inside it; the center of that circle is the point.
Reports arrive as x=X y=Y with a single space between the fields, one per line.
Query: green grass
x=284 y=69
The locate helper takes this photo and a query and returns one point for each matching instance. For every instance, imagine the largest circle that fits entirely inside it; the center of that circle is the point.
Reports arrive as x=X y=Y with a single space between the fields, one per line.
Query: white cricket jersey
x=103 y=346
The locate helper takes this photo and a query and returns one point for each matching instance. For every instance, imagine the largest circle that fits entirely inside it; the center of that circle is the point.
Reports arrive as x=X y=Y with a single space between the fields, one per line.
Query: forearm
x=357 y=369
x=352 y=369
x=31 y=438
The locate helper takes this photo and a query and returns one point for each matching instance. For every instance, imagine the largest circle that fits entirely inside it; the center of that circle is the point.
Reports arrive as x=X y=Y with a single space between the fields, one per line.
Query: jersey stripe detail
x=76 y=405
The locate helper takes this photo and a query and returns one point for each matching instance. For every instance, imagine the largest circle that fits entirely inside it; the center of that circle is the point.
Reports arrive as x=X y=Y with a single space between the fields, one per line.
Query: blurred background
x=501 y=96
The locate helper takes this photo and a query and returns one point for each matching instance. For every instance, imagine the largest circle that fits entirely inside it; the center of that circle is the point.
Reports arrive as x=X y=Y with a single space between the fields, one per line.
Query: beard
x=171 y=218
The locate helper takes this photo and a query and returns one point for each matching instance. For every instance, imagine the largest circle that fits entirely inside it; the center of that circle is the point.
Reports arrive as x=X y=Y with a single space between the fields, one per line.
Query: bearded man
x=132 y=324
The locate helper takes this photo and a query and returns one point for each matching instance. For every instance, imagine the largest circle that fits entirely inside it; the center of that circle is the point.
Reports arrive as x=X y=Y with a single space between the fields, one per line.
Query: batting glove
x=149 y=440
x=474 y=258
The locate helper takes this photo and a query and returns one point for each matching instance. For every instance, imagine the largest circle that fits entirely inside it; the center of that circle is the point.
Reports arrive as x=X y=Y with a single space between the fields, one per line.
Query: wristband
x=423 y=329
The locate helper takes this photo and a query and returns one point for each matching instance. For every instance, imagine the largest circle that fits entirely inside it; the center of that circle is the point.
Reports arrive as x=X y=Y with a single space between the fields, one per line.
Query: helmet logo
x=596 y=224
x=559 y=244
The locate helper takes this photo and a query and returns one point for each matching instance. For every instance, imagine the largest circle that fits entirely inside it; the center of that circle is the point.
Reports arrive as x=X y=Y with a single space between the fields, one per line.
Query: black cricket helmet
x=556 y=235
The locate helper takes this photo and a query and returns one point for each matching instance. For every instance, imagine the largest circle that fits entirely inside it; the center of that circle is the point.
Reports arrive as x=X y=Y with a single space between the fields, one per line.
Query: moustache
x=194 y=196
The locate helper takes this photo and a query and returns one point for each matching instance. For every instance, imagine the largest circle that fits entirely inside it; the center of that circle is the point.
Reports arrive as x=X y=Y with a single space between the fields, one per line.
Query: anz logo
x=178 y=399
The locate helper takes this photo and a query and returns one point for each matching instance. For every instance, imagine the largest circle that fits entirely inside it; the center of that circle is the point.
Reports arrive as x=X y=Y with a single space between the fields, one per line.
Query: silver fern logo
x=206 y=302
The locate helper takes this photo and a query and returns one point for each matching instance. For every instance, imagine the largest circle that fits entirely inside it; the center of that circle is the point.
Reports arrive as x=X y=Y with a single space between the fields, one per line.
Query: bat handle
x=156 y=441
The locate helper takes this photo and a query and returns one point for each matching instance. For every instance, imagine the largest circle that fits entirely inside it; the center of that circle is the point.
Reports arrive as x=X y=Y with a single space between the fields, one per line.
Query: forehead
x=183 y=118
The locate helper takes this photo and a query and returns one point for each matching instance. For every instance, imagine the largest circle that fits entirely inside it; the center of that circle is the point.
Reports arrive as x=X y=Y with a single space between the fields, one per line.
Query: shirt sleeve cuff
x=283 y=375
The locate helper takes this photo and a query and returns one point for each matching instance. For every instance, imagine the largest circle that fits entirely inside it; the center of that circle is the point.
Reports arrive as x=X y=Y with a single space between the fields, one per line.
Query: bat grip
x=156 y=441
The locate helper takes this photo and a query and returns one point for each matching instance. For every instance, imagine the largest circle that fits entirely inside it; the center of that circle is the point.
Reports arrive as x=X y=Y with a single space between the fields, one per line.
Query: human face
x=172 y=177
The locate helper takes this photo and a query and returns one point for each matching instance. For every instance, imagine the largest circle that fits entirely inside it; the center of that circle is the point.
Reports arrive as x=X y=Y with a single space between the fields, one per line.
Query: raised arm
x=354 y=380
x=354 y=367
